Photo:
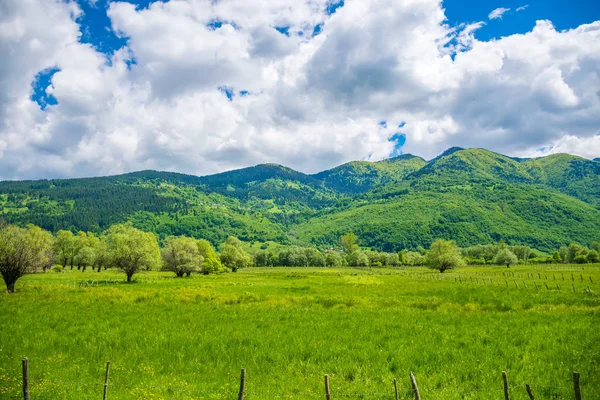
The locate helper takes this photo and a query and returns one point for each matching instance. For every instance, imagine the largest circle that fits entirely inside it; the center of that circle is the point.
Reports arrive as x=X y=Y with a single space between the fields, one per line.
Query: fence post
x=413 y=381
x=505 y=380
x=576 y=386
x=242 y=385
x=327 y=392
x=106 y=381
x=529 y=392
x=25 y=379
x=396 y=389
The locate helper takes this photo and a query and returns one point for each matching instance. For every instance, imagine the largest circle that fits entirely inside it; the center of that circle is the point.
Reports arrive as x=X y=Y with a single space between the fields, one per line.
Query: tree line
x=29 y=249
x=122 y=246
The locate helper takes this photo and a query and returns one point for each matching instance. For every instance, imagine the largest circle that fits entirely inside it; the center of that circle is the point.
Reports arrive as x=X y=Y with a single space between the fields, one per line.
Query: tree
x=556 y=257
x=401 y=259
x=358 y=259
x=564 y=253
x=593 y=256
x=233 y=256
x=181 y=255
x=574 y=250
x=443 y=255
x=505 y=257
x=349 y=242
x=22 y=251
x=333 y=259
x=44 y=241
x=63 y=247
x=132 y=250
x=212 y=262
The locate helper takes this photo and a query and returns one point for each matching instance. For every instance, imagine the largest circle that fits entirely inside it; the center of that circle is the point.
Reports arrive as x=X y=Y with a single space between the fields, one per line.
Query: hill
x=470 y=195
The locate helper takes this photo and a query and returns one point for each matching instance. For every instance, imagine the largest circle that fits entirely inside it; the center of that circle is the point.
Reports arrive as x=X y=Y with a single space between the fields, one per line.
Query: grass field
x=188 y=338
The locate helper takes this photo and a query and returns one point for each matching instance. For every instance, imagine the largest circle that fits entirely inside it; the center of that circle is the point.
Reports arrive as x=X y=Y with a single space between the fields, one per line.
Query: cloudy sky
x=97 y=87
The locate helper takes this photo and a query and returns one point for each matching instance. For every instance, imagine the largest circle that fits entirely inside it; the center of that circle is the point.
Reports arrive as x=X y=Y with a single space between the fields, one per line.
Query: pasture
x=188 y=338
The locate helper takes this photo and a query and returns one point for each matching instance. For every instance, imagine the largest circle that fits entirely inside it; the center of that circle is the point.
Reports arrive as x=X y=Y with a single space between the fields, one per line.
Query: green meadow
x=188 y=338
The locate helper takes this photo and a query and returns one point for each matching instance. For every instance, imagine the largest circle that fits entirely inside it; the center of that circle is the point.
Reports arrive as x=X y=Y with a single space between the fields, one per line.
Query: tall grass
x=187 y=338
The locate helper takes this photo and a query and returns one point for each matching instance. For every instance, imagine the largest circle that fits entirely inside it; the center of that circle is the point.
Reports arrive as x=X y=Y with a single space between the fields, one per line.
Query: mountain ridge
x=469 y=195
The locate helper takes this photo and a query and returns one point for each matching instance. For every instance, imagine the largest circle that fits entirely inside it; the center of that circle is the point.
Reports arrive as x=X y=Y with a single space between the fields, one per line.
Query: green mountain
x=469 y=195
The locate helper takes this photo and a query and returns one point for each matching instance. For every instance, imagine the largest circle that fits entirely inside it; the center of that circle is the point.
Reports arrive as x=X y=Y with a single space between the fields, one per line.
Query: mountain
x=469 y=195
x=360 y=176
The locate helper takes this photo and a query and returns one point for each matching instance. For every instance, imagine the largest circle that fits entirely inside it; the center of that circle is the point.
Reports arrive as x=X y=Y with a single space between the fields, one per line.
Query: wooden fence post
x=529 y=392
x=505 y=380
x=327 y=392
x=106 y=381
x=396 y=389
x=242 y=385
x=576 y=386
x=413 y=381
x=25 y=379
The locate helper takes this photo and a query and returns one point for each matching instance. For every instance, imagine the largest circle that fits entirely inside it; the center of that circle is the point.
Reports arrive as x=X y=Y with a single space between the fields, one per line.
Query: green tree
x=349 y=242
x=212 y=262
x=63 y=247
x=180 y=254
x=401 y=258
x=22 y=251
x=233 y=256
x=444 y=255
x=593 y=256
x=574 y=250
x=505 y=257
x=358 y=259
x=564 y=253
x=556 y=257
x=333 y=259
x=132 y=250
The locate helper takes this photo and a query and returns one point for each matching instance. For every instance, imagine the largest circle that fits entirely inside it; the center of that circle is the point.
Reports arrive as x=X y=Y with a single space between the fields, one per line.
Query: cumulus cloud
x=205 y=86
x=498 y=13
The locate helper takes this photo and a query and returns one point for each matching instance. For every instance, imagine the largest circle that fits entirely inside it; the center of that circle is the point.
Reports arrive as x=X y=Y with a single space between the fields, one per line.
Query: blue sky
x=563 y=14
x=96 y=26
x=201 y=86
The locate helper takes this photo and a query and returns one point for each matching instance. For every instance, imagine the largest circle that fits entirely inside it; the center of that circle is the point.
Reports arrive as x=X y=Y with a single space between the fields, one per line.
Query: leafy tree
x=63 y=247
x=265 y=259
x=574 y=250
x=392 y=260
x=358 y=259
x=596 y=246
x=506 y=257
x=132 y=250
x=22 y=251
x=522 y=252
x=349 y=242
x=44 y=241
x=593 y=256
x=315 y=258
x=443 y=255
x=212 y=262
x=233 y=256
x=413 y=258
x=556 y=257
x=564 y=253
x=180 y=254
x=401 y=259
x=333 y=259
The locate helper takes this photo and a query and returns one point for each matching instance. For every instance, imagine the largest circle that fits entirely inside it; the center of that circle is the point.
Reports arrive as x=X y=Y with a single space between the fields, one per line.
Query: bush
x=57 y=268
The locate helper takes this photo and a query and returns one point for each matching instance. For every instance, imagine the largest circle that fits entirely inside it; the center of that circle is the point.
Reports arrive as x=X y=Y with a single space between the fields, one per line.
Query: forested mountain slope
x=470 y=195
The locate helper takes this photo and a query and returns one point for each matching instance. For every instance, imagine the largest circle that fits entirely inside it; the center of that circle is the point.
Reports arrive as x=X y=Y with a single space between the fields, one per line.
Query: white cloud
x=498 y=13
x=522 y=8
x=312 y=102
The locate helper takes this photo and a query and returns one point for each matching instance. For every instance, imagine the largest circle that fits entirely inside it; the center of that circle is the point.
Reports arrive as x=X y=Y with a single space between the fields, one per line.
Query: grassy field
x=187 y=338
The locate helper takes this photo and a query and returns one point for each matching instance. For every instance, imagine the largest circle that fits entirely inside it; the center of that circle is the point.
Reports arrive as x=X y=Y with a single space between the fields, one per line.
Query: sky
x=101 y=87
